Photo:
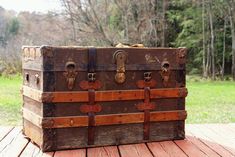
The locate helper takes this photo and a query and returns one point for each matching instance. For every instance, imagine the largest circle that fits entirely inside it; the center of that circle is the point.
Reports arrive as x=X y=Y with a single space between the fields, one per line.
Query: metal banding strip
x=102 y=120
x=110 y=95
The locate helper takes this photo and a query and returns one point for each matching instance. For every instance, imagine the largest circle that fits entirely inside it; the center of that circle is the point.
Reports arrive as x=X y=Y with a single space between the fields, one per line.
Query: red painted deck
x=202 y=140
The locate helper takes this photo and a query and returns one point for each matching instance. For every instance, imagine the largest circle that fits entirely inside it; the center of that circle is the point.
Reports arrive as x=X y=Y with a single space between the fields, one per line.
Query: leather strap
x=146 y=113
x=91 y=60
x=146 y=106
x=91 y=94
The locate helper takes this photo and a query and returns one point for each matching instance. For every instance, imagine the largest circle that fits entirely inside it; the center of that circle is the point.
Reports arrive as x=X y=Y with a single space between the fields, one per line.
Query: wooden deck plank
x=46 y=154
x=9 y=138
x=16 y=146
x=4 y=130
x=219 y=137
x=172 y=149
x=157 y=149
x=200 y=134
x=31 y=150
x=71 y=153
x=189 y=148
x=201 y=140
x=110 y=151
x=135 y=150
x=207 y=150
x=223 y=130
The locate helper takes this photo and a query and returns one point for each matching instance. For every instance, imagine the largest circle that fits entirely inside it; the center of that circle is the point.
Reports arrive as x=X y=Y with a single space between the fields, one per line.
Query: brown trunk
x=77 y=97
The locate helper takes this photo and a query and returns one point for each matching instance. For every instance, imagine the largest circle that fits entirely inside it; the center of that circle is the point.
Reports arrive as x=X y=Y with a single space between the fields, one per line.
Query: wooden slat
x=198 y=132
x=135 y=150
x=111 y=119
x=223 y=131
x=199 y=144
x=71 y=153
x=45 y=154
x=9 y=138
x=111 y=95
x=4 y=130
x=221 y=139
x=189 y=148
x=16 y=146
x=172 y=149
x=111 y=151
x=31 y=150
x=157 y=149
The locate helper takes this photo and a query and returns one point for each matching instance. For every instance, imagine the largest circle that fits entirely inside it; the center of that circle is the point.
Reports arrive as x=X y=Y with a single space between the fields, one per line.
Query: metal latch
x=120 y=60
x=70 y=74
x=165 y=73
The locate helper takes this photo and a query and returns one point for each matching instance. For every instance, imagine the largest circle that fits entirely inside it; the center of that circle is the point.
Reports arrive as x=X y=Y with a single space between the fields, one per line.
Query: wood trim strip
x=111 y=95
x=110 y=119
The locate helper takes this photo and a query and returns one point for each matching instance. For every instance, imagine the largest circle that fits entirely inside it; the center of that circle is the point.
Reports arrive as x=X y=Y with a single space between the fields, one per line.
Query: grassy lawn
x=207 y=102
x=10 y=100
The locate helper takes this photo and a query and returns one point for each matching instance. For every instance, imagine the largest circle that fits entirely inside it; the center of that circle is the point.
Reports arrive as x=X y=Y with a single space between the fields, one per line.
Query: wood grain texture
x=111 y=119
x=157 y=149
x=217 y=137
x=111 y=95
x=189 y=148
x=16 y=146
x=4 y=130
x=201 y=134
x=110 y=151
x=9 y=138
x=172 y=149
x=135 y=150
x=71 y=153
x=199 y=144
x=31 y=150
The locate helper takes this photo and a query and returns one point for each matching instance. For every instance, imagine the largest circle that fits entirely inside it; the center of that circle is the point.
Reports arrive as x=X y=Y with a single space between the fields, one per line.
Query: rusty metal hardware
x=120 y=59
x=147 y=82
x=91 y=77
x=37 y=79
x=147 y=76
x=165 y=73
x=70 y=74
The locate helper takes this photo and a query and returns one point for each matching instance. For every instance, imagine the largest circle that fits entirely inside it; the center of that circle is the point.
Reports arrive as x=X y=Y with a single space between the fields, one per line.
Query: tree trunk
x=164 y=7
x=224 y=49
x=204 y=41
x=232 y=25
x=212 y=42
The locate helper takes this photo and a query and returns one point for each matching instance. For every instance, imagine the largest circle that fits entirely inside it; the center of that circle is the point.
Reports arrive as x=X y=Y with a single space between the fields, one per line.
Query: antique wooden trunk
x=76 y=97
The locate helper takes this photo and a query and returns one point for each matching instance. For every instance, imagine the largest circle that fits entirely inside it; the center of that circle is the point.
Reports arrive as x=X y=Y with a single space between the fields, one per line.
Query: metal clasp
x=120 y=59
x=91 y=77
x=165 y=73
x=70 y=74
x=147 y=76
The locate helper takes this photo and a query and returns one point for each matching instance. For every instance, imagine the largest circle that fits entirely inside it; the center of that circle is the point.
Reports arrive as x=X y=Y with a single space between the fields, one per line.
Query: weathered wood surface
x=212 y=140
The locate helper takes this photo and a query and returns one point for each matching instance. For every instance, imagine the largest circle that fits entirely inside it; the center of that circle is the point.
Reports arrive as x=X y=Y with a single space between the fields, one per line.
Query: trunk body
x=74 y=100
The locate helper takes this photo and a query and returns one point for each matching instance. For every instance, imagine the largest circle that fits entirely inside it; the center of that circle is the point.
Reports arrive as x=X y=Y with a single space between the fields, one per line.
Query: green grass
x=10 y=100
x=210 y=101
x=207 y=101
